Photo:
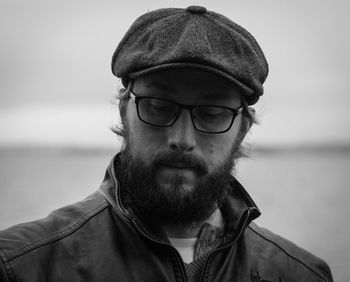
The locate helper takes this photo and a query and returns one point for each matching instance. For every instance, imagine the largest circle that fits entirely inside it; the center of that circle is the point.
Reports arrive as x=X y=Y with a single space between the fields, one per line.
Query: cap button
x=196 y=10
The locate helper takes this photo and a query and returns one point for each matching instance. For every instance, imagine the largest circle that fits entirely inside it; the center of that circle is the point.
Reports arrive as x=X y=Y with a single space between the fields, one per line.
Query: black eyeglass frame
x=137 y=99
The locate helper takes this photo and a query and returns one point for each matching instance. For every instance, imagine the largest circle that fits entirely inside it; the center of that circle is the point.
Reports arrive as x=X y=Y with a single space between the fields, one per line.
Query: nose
x=182 y=135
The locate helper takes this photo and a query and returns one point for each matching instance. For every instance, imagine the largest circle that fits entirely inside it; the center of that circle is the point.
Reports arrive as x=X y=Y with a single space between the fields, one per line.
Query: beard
x=171 y=203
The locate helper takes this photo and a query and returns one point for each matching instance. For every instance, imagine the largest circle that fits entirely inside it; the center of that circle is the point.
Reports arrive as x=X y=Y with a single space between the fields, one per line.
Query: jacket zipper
x=212 y=252
x=178 y=259
x=142 y=232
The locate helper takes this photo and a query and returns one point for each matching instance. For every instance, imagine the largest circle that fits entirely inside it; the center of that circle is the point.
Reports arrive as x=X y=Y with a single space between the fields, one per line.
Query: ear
x=121 y=105
x=252 y=120
x=123 y=100
x=247 y=121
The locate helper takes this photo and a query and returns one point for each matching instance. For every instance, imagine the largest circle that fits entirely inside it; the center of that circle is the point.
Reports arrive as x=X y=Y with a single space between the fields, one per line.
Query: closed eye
x=210 y=113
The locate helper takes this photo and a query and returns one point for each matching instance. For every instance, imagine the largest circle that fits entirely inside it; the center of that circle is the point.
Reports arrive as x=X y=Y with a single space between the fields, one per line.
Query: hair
x=123 y=96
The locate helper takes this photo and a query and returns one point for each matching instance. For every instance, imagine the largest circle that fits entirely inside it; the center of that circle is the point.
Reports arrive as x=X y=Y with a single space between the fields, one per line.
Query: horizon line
x=319 y=148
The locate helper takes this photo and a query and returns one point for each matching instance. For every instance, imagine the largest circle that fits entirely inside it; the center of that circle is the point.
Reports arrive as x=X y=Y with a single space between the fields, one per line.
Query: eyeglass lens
x=160 y=112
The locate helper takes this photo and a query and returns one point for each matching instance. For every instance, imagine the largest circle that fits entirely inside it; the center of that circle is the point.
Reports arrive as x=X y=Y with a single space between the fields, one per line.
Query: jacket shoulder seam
x=55 y=236
x=288 y=254
x=7 y=266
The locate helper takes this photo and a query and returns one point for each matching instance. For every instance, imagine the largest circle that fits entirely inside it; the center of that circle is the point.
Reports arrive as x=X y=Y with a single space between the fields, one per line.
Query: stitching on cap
x=136 y=29
x=240 y=30
x=248 y=36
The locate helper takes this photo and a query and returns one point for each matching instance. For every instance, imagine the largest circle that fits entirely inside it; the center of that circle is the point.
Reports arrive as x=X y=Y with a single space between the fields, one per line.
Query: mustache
x=180 y=160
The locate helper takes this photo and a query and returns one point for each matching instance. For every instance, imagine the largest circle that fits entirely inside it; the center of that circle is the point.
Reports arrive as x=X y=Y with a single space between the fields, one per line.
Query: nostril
x=181 y=146
x=172 y=146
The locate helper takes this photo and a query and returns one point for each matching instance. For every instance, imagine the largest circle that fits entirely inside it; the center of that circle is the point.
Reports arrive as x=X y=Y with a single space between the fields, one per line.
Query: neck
x=183 y=231
x=192 y=231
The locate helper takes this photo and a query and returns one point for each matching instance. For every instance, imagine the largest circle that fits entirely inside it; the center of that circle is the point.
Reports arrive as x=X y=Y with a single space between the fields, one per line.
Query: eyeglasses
x=164 y=113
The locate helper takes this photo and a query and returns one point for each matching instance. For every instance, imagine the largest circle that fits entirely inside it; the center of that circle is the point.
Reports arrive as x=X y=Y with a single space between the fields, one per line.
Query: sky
x=56 y=86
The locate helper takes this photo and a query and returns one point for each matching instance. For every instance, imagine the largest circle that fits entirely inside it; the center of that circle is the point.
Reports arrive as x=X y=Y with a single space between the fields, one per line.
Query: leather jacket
x=97 y=239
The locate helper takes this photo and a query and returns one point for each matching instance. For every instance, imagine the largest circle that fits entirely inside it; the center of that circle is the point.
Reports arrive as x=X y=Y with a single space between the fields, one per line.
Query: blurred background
x=56 y=93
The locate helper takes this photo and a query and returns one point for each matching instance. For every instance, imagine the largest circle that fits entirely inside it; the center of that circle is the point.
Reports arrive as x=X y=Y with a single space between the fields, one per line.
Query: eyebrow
x=210 y=96
x=159 y=85
x=215 y=96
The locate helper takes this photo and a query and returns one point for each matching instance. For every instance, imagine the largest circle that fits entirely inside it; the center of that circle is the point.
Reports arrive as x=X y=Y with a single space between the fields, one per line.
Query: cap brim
x=251 y=98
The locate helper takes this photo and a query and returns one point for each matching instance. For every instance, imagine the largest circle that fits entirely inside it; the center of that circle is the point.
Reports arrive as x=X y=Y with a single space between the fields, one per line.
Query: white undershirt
x=185 y=247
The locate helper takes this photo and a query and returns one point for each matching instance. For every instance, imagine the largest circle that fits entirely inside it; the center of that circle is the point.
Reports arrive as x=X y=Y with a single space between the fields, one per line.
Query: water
x=303 y=195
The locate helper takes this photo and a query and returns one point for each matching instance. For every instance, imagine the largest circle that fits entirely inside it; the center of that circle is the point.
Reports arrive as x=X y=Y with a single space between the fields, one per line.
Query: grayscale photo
x=174 y=141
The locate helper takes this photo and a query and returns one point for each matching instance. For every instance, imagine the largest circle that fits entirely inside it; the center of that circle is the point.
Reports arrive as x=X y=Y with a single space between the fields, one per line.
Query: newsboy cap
x=192 y=38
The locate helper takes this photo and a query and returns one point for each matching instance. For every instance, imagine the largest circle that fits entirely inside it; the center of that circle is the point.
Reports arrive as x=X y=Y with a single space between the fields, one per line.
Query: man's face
x=178 y=165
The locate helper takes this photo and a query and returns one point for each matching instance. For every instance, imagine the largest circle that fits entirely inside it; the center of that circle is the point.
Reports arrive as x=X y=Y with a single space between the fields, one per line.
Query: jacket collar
x=238 y=209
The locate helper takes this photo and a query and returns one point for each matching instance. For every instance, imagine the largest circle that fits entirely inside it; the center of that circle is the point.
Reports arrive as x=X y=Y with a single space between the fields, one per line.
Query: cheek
x=143 y=139
x=218 y=151
x=219 y=147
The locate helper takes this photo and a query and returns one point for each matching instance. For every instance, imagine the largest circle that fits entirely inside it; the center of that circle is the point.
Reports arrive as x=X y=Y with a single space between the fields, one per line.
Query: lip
x=173 y=176
x=174 y=170
x=178 y=166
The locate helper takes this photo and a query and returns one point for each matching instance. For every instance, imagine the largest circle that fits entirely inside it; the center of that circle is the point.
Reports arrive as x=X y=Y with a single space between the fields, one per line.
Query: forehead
x=187 y=86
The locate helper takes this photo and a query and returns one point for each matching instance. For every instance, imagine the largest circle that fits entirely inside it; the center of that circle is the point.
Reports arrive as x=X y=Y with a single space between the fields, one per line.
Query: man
x=169 y=208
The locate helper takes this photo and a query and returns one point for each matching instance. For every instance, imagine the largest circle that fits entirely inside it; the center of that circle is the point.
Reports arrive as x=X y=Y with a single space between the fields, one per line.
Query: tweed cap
x=192 y=38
